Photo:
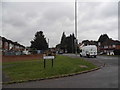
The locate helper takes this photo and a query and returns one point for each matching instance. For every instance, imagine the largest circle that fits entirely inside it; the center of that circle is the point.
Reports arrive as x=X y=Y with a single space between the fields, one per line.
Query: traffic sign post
x=48 y=58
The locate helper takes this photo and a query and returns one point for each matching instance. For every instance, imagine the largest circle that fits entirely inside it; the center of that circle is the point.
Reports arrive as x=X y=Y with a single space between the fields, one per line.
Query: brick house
x=8 y=46
x=109 y=46
x=0 y=45
x=87 y=42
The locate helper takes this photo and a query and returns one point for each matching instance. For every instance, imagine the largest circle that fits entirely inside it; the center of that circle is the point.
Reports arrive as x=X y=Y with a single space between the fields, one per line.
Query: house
x=8 y=47
x=80 y=45
x=109 y=46
x=0 y=45
x=87 y=42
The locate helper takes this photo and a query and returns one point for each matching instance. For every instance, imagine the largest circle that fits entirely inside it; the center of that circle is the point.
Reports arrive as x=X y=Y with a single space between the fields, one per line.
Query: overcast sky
x=21 y=20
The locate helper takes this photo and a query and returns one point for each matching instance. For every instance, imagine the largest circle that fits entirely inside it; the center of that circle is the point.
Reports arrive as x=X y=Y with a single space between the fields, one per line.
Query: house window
x=113 y=46
x=17 y=47
x=105 y=51
x=6 y=43
x=99 y=44
x=11 y=45
x=110 y=46
x=105 y=46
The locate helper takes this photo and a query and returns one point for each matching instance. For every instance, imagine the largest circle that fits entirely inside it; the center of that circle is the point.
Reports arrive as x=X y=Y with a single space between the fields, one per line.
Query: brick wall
x=117 y=46
x=21 y=58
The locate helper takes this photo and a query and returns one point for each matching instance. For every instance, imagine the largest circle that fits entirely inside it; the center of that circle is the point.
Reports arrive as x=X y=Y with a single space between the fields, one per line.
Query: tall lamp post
x=76 y=27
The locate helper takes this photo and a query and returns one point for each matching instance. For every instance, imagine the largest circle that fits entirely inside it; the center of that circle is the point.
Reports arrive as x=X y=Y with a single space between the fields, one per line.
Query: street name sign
x=48 y=57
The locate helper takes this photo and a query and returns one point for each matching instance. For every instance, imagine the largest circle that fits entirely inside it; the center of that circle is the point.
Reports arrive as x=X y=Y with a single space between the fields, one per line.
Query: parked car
x=102 y=53
x=60 y=52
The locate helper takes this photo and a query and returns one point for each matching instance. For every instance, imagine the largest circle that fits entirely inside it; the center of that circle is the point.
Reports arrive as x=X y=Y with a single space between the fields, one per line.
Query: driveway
x=106 y=77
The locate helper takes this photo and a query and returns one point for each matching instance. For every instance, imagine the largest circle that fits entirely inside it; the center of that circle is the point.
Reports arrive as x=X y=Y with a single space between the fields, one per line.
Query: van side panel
x=90 y=50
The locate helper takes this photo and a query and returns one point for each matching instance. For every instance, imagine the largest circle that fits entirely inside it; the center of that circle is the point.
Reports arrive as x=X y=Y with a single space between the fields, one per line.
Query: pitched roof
x=10 y=41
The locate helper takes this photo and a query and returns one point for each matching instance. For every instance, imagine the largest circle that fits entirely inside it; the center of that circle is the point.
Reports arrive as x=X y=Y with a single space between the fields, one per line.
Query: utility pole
x=76 y=27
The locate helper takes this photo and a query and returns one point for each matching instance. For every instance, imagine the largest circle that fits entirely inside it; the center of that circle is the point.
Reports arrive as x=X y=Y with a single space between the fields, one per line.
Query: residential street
x=106 y=77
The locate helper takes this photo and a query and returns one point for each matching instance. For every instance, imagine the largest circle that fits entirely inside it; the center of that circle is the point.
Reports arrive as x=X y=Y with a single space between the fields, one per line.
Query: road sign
x=48 y=58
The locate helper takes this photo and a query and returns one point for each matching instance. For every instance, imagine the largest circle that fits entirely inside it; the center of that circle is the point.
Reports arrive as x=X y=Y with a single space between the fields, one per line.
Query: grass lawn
x=111 y=55
x=25 y=70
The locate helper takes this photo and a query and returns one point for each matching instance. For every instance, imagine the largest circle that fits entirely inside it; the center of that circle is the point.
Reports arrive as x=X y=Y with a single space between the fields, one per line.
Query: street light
x=76 y=26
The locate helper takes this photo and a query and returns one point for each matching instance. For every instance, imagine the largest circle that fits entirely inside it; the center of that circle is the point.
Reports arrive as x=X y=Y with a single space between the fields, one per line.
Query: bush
x=117 y=52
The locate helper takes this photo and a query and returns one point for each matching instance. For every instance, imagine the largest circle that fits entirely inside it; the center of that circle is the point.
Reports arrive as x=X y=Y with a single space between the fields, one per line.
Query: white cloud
x=96 y=18
x=21 y=20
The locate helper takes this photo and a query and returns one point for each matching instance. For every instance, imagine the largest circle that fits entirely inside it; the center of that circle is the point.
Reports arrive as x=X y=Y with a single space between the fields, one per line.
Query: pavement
x=106 y=77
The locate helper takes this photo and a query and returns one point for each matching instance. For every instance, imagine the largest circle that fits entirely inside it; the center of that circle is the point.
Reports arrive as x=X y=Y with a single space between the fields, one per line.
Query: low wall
x=21 y=57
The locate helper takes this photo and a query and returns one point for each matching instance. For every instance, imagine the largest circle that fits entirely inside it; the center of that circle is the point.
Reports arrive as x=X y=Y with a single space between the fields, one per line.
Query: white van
x=89 y=51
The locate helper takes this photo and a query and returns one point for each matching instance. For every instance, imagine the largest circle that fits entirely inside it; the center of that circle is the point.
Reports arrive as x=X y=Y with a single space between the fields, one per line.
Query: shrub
x=117 y=51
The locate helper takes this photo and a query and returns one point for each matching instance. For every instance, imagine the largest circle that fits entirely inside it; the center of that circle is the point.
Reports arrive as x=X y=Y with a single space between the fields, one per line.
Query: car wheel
x=80 y=55
x=88 y=55
x=94 y=56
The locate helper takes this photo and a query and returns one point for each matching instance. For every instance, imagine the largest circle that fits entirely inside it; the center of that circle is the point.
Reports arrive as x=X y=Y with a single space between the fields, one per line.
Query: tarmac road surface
x=106 y=77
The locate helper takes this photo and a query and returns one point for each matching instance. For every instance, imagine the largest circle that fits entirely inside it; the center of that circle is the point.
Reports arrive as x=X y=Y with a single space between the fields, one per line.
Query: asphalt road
x=106 y=77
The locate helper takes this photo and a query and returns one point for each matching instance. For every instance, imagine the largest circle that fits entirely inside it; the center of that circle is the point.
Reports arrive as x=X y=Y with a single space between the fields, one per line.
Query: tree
x=63 y=38
x=117 y=51
x=67 y=43
x=39 y=42
x=86 y=42
x=58 y=46
x=70 y=43
x=63 y=42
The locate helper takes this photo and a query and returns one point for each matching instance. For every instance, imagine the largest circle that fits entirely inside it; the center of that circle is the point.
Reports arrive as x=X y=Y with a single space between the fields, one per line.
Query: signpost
x=48 y=58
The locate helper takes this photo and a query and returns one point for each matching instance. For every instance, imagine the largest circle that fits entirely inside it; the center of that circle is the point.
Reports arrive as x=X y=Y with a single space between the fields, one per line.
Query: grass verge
x=111 y=55
x=28 y=70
